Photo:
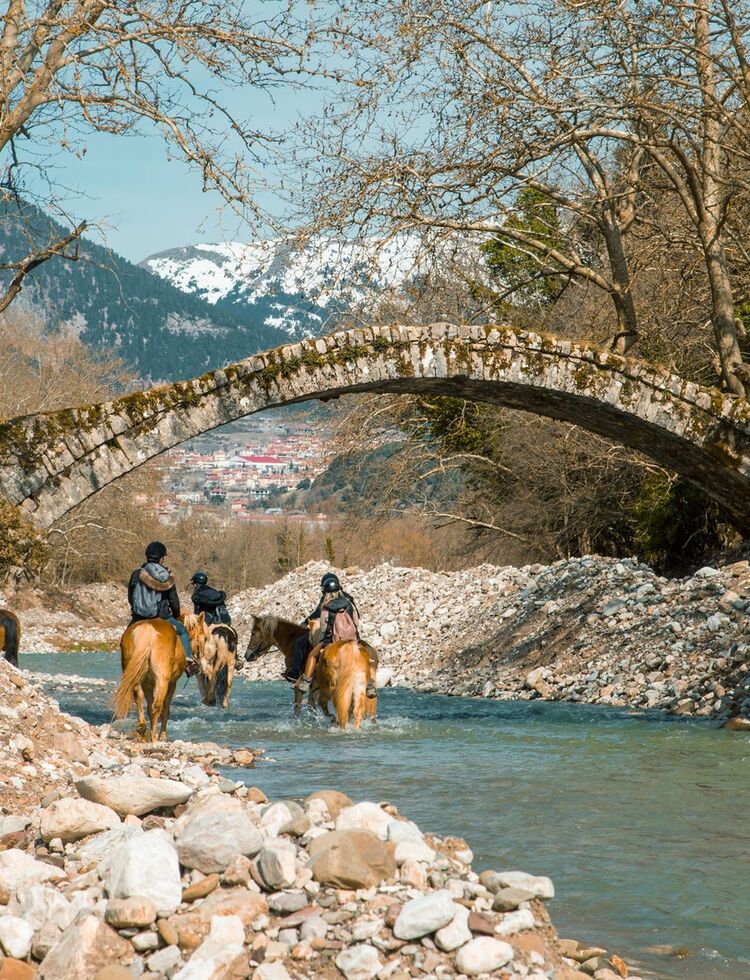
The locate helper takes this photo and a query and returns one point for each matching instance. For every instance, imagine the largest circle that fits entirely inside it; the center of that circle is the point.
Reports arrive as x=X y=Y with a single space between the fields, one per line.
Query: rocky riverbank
x=119 y=859
x=589 y=629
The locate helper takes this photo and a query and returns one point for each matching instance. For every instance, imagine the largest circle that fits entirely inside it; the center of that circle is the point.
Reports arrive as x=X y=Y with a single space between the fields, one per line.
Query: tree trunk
x=722 y=316
x=622 y=294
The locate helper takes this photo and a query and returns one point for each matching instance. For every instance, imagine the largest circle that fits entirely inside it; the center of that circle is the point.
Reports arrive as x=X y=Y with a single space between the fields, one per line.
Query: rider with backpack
x=152 y=594
x=210 y=602
x=339 y=622
x=302 y=645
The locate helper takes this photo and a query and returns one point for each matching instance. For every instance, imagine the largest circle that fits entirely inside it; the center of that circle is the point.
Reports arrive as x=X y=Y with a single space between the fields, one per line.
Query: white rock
x=224 y=941
x=359 y=962
x=15 y=936
x=12 y=824
x=101 y=846
x=513 y=922
x=275 y=970
x=277 y=863
x=365 y=816
x=164 y=960
x=276 y=816
x=145 y=865
x=383 y=677
x=424 y=915
x=213 y=832
x=483 y=955
x=17 y=867
x=413 y=850
x=402 y=830
x=538 y=885
x=71 y=819
x=133 y=794
x=456 y=933
x=40 y=905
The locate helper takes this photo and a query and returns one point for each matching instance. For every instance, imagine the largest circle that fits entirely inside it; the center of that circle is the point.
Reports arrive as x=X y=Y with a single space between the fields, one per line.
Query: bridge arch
x=50 y=463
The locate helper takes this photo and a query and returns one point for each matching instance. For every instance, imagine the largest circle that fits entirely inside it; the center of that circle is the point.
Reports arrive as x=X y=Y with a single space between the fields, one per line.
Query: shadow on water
x=641 y=820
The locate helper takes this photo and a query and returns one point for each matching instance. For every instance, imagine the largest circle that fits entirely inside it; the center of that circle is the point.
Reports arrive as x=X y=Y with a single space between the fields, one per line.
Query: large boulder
x=40 y=906
x=15 y=936
x=133 y=794
x=84 y=949
x=359 y=962
x=351 y=859
x=215 y=831
x=71 y=819
x=537 y=885
x=425 y=914
x=146 y=866
x=365 y=816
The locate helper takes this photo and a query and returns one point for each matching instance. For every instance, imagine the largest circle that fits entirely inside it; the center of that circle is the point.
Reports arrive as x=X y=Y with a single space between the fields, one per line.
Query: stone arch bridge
x=49 y=463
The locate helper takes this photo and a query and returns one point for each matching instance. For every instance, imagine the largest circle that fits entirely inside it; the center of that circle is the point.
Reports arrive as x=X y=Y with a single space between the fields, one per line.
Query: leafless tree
x=69 y=68
x=598 y=108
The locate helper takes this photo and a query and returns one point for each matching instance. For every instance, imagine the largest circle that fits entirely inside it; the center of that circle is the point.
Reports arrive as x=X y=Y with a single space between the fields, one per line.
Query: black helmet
x=200 y=578
x=330 y=583
x=155 y=551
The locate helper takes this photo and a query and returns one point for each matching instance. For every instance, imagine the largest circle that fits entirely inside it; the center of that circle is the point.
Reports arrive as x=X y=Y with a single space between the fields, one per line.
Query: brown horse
x=215 y=653
x=10 y=635
x=342 y=674
x=153 y=659
x=272 y=631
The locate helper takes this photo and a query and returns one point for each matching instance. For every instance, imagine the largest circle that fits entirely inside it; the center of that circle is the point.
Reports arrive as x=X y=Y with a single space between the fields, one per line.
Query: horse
x=342 y=674
x=272 y=631
x=10 y=635
x=153 y=659
x=215 y=653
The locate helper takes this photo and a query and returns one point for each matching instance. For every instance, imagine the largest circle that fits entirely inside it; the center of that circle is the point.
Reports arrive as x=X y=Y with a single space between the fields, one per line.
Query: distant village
x=243 y=472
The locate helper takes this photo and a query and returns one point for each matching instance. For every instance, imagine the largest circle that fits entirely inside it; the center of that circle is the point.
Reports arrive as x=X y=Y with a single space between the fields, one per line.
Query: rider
x=210 y=602
x=152 y=594
x=334 y=601
x=302 y=645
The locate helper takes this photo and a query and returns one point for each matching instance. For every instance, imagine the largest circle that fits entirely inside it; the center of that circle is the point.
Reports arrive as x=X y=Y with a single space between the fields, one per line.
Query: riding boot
x=305 y=682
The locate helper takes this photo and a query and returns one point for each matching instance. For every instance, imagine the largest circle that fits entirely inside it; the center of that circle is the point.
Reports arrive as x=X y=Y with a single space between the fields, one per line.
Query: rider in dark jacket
x=207 y=600
x=302 y=646
x=164 y=585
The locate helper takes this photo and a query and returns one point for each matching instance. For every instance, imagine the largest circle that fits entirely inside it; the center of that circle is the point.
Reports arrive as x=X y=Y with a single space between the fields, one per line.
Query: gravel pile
x=587 y=629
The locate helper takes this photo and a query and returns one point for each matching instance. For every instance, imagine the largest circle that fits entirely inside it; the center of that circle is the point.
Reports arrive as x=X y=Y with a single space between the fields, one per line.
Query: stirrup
x=371 y=691
x=304 y=684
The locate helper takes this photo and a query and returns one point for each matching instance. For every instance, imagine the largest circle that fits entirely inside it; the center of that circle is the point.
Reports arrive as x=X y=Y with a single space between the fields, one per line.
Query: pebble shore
x=120 y=859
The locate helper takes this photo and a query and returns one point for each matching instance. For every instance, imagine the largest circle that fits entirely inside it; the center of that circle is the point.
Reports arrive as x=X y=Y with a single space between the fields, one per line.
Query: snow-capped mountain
x=302 y=293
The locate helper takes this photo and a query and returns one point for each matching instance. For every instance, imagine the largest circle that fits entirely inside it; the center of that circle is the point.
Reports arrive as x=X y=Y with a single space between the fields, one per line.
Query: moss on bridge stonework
x=47 y=461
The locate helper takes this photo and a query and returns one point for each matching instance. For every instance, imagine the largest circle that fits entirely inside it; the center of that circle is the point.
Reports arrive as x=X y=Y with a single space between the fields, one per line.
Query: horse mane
x=279 y=619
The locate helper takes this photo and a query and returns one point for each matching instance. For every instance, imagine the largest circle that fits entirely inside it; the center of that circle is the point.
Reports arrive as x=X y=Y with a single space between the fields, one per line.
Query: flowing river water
x=642 y=821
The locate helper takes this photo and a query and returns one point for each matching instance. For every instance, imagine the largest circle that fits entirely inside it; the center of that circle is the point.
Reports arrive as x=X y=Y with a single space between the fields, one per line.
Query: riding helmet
x=200 y=578
x=330 y=583
x=155 y=551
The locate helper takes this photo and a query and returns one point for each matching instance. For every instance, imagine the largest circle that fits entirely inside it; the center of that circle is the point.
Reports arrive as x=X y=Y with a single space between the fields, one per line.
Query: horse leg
x=160 y=695
x=359 y=708
x=297 y=701
x=141 y=728
x=230 y=679
x=165 y=710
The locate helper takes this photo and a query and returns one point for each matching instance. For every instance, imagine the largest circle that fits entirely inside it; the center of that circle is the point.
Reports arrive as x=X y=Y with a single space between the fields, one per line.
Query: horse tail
x=12 y=629
x=350 y=688
x=133 y=673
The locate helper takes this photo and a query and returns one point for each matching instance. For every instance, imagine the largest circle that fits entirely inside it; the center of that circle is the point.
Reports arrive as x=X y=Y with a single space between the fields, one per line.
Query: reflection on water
x=641 y=821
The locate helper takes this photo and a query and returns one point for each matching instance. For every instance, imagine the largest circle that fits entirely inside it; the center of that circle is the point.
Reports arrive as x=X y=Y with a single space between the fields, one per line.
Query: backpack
x=344 y=629
x=146 y=601
x=222 y=614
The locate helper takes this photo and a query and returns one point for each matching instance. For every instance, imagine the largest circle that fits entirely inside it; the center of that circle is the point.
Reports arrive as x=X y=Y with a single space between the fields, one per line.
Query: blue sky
x=146 y=202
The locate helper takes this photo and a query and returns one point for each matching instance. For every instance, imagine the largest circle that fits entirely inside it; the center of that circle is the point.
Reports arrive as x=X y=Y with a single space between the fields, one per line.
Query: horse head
x=261 y=638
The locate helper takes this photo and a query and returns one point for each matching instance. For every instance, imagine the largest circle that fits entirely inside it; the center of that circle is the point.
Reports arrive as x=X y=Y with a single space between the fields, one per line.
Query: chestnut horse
x=342 y=674
x=272 y=631
x=153 y=659
x=10 y=635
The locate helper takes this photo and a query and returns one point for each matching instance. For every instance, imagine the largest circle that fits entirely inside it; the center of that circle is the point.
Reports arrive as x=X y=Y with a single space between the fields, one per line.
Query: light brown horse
x=10 y=635
x=342 y=674
x=272 y=631
x=153 y=659
x=215 y=653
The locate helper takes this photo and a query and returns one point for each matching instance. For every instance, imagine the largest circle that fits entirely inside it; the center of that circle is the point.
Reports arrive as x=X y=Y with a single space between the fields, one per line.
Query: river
x=641 y=820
